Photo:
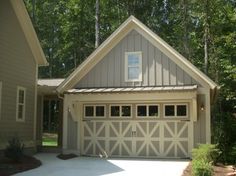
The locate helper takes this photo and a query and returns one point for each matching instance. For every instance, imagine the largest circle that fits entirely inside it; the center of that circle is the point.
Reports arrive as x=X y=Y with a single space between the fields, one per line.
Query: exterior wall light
x=202 y=107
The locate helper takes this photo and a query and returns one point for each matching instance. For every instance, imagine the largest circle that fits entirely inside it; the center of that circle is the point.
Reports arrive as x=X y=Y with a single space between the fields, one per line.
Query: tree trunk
x=206 y=37
x=97 y=25
x=186 y=30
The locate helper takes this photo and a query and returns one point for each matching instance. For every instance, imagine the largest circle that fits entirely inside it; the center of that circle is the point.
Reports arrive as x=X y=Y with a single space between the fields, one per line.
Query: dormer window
x=133 y=66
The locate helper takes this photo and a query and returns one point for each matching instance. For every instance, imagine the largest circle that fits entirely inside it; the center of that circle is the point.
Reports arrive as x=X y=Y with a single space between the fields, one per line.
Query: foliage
x=232 y=155
x=206 y=152
x=14 y=150
x=224 y=130
x=201 y=168
x=203 y=158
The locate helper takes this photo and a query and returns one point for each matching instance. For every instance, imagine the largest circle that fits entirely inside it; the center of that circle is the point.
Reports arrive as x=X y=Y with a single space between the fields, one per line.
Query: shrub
x=224 y=130
x=207 y=152
x=231 y=158
x=14 y=150
x=202 y=168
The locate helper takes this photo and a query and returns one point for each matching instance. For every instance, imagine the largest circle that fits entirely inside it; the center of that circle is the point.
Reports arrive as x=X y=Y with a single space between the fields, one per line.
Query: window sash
x=134 y=68
x=121 y=111
x=175 y=115
x=147 y=114
x=20 y=104
x=95 y=111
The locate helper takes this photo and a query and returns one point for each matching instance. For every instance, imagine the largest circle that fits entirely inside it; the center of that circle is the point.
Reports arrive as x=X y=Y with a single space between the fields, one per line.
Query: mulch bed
x=219 y=170
x=9 y=167
x=66 y=156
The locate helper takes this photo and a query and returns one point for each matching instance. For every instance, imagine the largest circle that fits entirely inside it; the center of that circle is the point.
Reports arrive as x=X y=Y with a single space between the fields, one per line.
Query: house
x=135 y=96
x=20 y=57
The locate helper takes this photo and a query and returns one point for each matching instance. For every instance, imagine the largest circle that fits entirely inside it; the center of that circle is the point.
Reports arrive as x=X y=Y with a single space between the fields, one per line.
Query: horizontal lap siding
x=157 y=68
x=17 y=68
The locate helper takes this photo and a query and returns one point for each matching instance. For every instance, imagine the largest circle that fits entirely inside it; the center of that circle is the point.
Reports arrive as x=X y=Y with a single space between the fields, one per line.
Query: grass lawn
x=50 y=139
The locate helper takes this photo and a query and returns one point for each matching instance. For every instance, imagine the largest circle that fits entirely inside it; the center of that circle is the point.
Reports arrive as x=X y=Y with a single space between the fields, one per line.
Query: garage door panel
x=136 y=138
x=183 y=133
x=154 y=148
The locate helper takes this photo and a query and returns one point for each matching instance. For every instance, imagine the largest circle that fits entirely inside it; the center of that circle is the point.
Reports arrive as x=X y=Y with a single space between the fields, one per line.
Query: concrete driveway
x=89 y=166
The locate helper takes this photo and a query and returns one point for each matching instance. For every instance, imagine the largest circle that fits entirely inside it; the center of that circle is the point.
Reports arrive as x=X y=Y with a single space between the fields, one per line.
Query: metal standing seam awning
x=131 y=89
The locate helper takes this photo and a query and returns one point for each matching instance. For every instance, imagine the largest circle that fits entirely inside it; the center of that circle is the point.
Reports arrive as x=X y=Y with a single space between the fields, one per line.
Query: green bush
x=224 y=130
x=207 y=152
x=201 y=168
x=14 y=150
x=231 y=158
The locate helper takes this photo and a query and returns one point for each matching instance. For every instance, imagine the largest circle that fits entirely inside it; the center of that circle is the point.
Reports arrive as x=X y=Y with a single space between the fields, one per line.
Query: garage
x=136 y=96
x=132 y=130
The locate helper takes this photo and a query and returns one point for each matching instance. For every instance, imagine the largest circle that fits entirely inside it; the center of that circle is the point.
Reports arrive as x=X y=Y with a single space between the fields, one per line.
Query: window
x=0 y=97
x=169 y=110
x=100 y=111
x=147 y=110
x=126 y=111
x=20 y=104
x=178 y=110
x=120 y=110
x=181 y=110
x=115 y=111
x=94 y=111
x=133 y=66
x=89 y=111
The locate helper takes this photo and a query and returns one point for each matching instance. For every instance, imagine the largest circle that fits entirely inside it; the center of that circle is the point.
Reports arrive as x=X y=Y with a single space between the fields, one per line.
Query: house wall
x=72 y=133
x=17 y=68
x=39 y=120
x=157 y=68
x=200 y=124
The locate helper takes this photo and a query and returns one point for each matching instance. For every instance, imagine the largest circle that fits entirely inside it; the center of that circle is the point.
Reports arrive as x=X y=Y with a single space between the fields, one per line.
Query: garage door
x=123 y=138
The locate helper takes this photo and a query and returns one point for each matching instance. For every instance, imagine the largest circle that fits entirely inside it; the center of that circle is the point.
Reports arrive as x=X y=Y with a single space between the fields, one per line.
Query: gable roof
x=29 y=32
x=134 y=24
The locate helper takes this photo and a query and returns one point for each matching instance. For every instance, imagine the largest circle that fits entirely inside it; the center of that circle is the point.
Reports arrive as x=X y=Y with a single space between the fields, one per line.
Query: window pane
x=89 y=111
x=133 y=72
x=142 y=110
x=153 y=110
x=181 y=110
x=100 y=111
x=169 y=110
x=21 y=96
x=126 y=111
x=20 y=111
x=115 y=110
x=133 y=59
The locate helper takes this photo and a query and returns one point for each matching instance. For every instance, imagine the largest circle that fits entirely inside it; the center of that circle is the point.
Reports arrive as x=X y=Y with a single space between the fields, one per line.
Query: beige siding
x=17 y=68
x=200 y=125
x=72 y=133
x=158 y=69
x=39 y=119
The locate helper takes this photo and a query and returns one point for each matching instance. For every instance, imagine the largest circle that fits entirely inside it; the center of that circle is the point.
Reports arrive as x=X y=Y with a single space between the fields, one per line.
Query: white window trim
x=94 y=110
x=147 y=110
x=120 y=105
x=175 y=107
x=140 y=67
x=17 y=103
x=0 y=99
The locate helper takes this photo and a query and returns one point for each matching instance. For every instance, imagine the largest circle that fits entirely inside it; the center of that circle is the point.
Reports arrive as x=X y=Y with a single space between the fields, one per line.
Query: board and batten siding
x=17 y=68
x=200 y=124
x=157 y=68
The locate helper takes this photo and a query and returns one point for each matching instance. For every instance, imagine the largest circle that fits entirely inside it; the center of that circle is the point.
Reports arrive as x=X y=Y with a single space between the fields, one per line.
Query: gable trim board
x=29 y=32
x=133 y=24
